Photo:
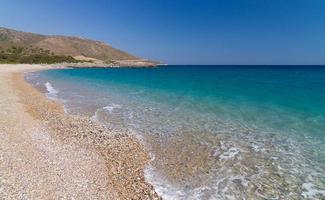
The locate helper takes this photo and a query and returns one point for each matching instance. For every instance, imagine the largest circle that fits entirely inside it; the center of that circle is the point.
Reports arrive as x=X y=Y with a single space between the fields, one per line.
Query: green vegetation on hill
x=30 y=55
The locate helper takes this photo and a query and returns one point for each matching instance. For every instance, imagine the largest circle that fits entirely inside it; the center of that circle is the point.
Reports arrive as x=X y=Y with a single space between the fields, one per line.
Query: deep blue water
x=273 y=115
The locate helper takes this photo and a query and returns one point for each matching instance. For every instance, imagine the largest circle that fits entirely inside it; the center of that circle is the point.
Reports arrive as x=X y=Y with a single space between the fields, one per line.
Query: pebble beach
x=48 y=154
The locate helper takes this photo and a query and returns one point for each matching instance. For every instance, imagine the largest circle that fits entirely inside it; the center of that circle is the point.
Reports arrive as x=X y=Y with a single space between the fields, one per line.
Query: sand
x=47 y=154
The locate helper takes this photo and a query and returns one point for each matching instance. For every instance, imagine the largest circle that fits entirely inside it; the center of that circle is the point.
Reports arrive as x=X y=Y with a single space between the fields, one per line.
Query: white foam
x=110 y=108
x=94 y=118
x=163 y=188
x=52 y=92
x=311 y=191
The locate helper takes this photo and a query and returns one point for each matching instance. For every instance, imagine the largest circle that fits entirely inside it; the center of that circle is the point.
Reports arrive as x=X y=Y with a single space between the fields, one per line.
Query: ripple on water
x=236 y=163
x=199 y=155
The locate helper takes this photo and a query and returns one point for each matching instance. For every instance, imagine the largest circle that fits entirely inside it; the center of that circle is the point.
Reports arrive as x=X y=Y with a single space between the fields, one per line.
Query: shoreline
x=120 y=156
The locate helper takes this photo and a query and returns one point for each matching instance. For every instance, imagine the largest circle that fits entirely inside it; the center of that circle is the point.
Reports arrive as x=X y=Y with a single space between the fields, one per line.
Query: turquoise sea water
x=213 y=132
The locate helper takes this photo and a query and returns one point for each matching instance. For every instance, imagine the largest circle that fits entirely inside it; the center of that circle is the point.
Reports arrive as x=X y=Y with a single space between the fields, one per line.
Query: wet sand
x=47 y=154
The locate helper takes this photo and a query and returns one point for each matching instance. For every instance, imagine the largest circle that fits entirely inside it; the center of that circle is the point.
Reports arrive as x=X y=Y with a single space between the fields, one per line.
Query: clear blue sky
x=185 y=31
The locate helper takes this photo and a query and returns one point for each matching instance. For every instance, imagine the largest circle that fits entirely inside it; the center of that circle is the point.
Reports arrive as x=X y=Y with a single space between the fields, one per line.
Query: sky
x=185 y=31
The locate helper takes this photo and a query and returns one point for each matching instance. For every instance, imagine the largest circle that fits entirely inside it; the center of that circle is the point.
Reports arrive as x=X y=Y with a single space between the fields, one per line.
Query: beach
x=212 y=132
x=152 y=133
x=47 y=154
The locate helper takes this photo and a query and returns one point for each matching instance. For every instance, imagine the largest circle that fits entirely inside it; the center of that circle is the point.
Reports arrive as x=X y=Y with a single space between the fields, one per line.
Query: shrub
x=32 y=55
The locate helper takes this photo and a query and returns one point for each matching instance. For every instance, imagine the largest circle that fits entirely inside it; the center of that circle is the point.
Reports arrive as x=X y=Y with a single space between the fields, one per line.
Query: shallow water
x=217 y=132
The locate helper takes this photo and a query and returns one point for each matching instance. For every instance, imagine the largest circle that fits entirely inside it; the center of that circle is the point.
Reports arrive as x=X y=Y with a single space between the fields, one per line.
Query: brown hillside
x=62 y=45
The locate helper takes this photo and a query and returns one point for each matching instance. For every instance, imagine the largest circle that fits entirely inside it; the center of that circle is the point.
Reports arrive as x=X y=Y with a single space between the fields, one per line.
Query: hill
x=66 y=48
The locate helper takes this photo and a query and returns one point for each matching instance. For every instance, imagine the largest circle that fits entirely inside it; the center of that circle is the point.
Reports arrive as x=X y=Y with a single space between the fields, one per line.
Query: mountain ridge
x=79 y=48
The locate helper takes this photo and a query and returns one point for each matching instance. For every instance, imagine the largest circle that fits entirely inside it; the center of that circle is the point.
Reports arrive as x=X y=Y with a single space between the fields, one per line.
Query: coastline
x=116 y=64
x=100 y=163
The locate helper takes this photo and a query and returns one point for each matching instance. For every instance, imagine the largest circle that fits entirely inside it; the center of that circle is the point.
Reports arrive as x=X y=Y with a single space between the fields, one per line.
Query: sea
x=212 y=132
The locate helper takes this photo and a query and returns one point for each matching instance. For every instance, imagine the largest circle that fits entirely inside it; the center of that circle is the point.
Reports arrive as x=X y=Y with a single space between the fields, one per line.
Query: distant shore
x=86 y=65
x=48 y=154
